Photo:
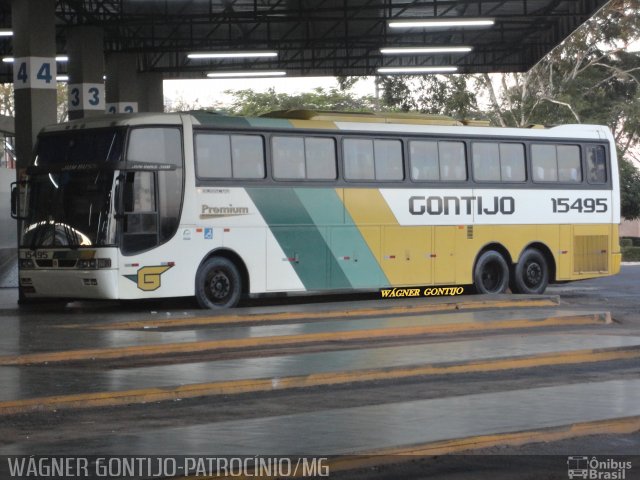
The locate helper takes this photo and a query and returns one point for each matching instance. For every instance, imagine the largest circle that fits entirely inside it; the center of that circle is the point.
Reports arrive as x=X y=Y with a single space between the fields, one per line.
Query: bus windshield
x=69 y=195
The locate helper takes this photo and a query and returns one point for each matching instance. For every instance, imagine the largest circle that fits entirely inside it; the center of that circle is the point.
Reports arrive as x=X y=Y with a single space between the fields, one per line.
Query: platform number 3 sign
x=34 y=72
x=86 y=96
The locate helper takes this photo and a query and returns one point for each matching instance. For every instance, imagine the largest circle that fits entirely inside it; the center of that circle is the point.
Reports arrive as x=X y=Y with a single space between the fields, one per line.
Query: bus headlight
x=87 y=264
x=104 y=263
x=94 y=263
x=27 y=264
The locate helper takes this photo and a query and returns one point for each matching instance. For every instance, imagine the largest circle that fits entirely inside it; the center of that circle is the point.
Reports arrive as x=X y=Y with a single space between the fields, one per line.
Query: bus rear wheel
x=218 y=284
x=531 y=274
x=491 y=274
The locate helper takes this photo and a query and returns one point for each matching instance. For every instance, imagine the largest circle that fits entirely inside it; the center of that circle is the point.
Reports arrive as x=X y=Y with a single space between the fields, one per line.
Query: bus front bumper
x=70 y=284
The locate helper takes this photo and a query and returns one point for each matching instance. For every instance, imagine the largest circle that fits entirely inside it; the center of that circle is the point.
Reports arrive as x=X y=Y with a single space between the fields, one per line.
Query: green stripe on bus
x=347 y=247
x=209 y=118
x=269 y=122
x=299 y=238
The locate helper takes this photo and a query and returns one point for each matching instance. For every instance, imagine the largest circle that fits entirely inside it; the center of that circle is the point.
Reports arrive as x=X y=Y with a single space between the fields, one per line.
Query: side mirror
x=15 y=205
x=117 y=201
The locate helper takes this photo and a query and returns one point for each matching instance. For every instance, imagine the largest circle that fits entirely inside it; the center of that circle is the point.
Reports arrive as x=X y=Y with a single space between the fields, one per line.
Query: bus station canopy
x=322 y=37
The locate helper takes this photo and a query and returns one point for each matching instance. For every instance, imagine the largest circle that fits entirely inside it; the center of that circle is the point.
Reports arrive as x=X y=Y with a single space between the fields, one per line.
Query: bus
x=221 y=207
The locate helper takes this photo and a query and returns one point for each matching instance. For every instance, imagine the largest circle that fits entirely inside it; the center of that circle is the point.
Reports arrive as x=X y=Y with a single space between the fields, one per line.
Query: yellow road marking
x=617 y=426
x=288 y=316
x=101 y=399
x=166 y=349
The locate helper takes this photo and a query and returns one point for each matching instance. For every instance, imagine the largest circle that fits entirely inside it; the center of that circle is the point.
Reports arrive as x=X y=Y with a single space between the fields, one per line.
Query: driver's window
x=141 y=194
x=161 y=145
x=140 y=228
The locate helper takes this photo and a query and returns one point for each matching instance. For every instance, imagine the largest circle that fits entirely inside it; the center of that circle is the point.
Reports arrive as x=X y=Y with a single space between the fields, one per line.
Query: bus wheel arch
x=491 y=269
x=221 y=279
x=534 y=271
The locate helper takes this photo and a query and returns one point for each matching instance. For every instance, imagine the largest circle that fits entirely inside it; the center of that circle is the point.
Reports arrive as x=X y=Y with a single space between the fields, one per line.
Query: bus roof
x=398 y=123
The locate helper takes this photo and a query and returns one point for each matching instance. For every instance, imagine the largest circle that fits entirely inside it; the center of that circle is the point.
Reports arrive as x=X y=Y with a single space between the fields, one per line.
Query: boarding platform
x=362 y=383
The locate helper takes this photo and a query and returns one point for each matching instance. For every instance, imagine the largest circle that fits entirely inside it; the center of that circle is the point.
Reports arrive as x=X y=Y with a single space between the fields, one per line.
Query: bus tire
x=531 y=274
x=491 y=273
x=218 y=284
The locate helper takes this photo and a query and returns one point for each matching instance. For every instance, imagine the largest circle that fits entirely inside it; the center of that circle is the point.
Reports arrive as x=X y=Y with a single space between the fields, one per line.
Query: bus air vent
x=590 y=253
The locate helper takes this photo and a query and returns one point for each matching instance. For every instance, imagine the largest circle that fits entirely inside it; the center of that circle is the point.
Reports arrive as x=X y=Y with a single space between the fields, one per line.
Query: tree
x=180 y=104
x=62 y=100
x=590 y=78
x=7 y=107
x=7 y=103
x=432 y=94
x=250 y=103
x=629 y=190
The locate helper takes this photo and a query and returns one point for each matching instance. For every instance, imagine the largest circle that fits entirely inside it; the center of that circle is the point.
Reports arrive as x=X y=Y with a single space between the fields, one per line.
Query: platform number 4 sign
x=34 y=72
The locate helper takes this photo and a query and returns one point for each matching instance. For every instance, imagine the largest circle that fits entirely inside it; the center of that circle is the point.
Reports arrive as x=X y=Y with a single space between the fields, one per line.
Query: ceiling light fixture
x=425 y=50
x=246 y=74
x=6 y=33
x=443 y=23
x=256 y=54
x=59 y=58
x=387 y=70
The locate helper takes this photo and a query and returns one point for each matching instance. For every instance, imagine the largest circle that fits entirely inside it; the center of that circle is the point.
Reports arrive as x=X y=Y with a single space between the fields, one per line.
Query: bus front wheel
x=531 y=274
x=491 y=274
x=218 y=284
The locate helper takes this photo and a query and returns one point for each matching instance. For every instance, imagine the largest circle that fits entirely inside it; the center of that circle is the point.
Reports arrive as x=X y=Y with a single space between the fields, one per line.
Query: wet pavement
x=23 y=337
x=28 y=382
x=371 y=428
x=354 y=418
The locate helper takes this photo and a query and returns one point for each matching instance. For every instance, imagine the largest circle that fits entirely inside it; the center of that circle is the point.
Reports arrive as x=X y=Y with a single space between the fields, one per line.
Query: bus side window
x=288 y=157
x=213 y=155
x=596 y=164
x=512 y=164
x=376 y=159
x=388 y=159
x=423 y=158
x=486 y=161
x=320 y=156
x=569 y=168
x=247 y=156
x=544 y=163
x=453 y=165
x=358 y=159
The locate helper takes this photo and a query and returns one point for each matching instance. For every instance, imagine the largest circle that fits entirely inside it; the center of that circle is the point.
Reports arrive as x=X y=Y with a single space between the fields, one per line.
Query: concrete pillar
x=85 y=46
x=129 y=90
x=34 y=78
x=150 y=92
x=34 y=72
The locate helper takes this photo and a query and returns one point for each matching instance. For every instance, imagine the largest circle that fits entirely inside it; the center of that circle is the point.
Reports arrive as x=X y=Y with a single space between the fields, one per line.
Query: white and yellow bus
x=217 y=207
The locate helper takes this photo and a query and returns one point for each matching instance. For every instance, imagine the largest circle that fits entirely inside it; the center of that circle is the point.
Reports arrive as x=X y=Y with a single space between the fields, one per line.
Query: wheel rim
x=532 y=274
x=492 y=276
x=218 y=286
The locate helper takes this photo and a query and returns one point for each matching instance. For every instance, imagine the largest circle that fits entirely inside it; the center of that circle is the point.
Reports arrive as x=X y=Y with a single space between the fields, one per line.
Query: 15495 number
x=581 y=205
